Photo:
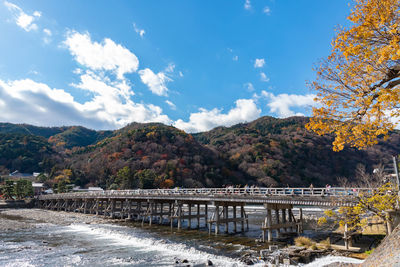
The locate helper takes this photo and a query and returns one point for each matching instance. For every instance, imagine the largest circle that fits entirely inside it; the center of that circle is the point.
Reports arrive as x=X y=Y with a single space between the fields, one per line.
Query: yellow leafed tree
x=358 y=85
x=373 y=204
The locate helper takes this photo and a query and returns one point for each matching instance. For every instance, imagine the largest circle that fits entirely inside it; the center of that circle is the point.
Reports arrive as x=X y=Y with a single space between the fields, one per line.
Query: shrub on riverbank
x=303 y=241
x=326 y=243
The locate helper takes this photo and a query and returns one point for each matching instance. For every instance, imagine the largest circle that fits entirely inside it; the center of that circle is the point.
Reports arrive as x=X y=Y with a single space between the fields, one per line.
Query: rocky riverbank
x=292 y=255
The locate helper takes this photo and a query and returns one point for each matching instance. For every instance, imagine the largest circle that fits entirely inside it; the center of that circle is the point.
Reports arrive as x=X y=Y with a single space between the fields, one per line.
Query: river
x=48 y=238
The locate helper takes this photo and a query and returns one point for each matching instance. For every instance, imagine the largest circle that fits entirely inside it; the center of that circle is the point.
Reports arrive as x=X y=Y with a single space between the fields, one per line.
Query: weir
x=193 y=206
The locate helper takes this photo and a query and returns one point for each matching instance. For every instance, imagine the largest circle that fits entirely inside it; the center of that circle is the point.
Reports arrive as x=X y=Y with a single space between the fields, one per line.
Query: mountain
x=25 y=152
x=65 y=136
x=164 y=153
x=78 y=136
x=267 y=152
x=27 y=129
x=281 y=151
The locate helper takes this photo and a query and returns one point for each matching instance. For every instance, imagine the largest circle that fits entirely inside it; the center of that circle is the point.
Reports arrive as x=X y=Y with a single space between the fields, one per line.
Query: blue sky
x=192 y=64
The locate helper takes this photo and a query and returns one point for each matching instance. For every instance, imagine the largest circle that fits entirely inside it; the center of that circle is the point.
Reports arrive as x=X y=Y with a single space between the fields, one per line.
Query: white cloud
x=180 y=74
x=235 y=58
x=108 y=103
x=170 y=104
x=103 y=86
x=26 y=101
x=259 y=63
x=47 y=35
x=101 y=56
x=155 y=82
x=204 y=120
x=170 y=68
x=282 y=104
x=263 y=77
x=249 y=87
x=247 y=5
x=139 y=31
x=47 y=32
x=77 y=71
x=22 y=19
x=267 y=10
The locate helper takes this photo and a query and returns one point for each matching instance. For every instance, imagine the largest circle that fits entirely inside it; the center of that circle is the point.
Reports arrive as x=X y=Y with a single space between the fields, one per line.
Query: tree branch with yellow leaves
x=358 y=85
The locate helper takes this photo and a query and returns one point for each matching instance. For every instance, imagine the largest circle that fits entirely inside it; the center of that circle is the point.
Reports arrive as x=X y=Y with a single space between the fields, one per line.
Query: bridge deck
x=294 y=196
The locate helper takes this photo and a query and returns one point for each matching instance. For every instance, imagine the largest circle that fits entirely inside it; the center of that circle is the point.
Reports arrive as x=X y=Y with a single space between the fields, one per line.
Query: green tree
x=28 y=188
x=146 y=178
x=63 y=180
x=42 y=178
x=19 y=189
x=126 y=178
x=62 y=186
x=8 y=189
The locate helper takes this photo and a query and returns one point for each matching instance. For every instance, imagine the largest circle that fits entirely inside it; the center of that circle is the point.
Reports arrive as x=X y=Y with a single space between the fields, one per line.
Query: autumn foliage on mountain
x=148 y=156
x=282 y=152
x=265 y=152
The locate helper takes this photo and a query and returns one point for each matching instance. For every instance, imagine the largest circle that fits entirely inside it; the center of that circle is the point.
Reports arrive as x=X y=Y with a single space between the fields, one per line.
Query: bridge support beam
x=288 y=223
x=178 y=209
x=222 y=217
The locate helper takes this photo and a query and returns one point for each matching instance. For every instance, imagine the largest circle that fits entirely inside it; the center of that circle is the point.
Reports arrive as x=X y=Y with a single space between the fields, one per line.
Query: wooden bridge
x=226 y=205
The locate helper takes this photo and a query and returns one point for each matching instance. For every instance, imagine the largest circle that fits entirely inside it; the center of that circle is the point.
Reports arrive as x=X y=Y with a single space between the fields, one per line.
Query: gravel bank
x=14 y=219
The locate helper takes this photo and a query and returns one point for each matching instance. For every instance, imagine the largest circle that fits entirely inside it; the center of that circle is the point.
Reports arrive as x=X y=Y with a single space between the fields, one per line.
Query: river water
x=29 y=239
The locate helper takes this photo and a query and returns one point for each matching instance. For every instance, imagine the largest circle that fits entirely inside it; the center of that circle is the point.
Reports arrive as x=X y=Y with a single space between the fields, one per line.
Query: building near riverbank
x=38 y=188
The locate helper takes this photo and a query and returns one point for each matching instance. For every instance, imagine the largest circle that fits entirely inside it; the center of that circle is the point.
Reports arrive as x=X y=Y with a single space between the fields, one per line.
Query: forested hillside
x=154 y=155
x=30 y=129
x=78 y=136
x=266 y=152
x=65 y=136
x=281 y=151
x=26 y=153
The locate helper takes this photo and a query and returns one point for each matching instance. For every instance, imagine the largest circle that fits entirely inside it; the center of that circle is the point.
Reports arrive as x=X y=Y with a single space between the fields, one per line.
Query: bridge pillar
x=290 y=219
x=176 y=213
x=97 y=206
x=300 y=225
x=226 y=214
x=112 y=210
x=74 y=204
x=66 y=204
x=267 y=226
x=85 y=204
x=129 y=209
x=287 y=224
x=216 y=216
x=216 y=219
x=206 y=214
x=179 y=213
x=242 y=215
x=234 y=219
x=190 y=216
x=198 y=216
x=161 y=213
x=284 y=219
x=278 y=231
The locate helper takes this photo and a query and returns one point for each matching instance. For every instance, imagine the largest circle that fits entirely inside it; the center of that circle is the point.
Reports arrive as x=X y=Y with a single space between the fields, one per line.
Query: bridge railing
x=215 y=192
